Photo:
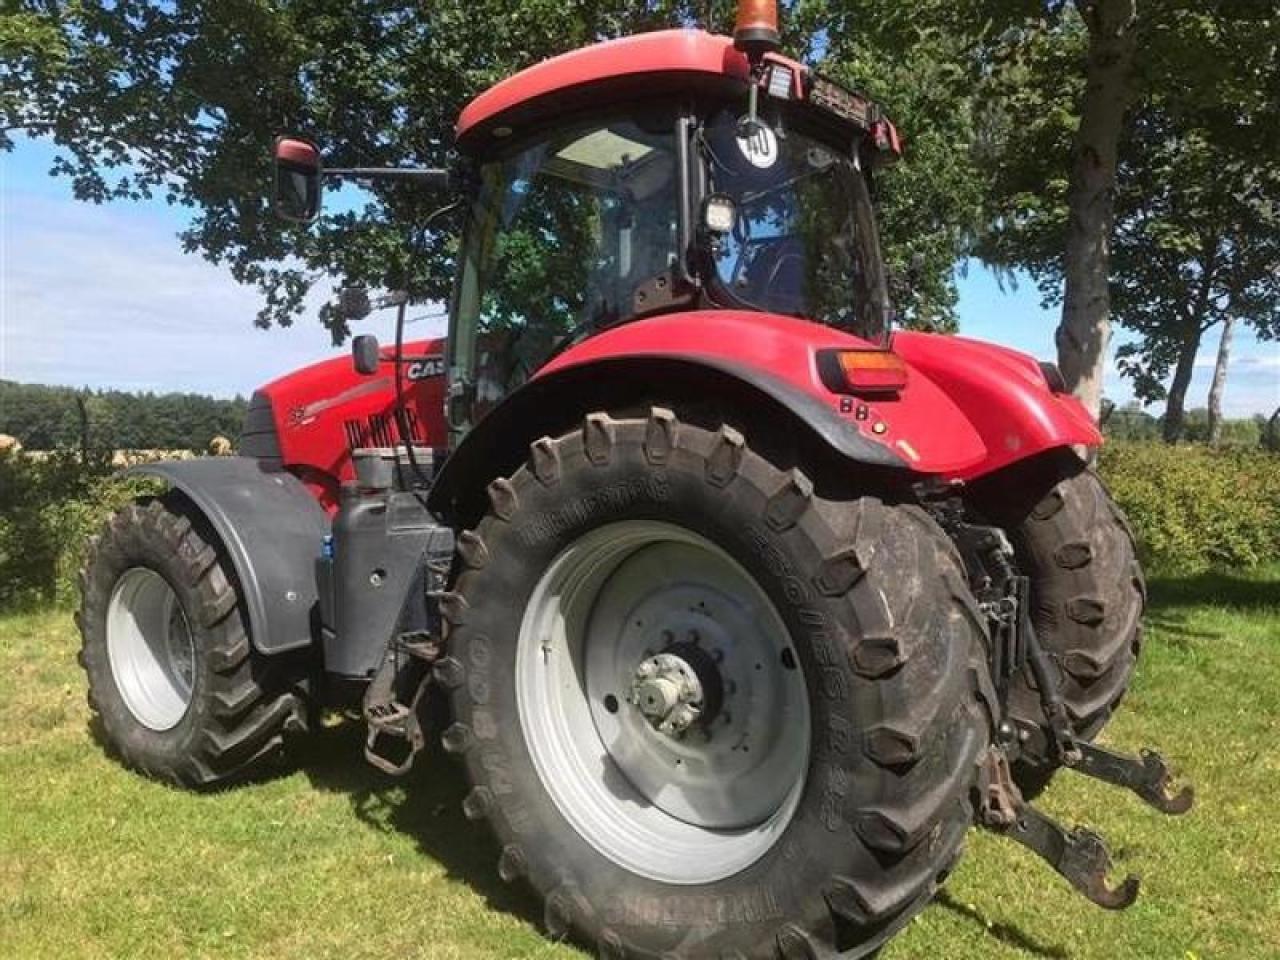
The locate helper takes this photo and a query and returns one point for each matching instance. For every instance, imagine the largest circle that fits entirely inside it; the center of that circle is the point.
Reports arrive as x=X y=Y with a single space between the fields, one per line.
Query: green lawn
x=336 y=861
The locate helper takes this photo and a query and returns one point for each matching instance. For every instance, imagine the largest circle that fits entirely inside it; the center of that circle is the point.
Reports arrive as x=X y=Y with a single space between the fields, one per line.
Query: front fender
x=272 y=529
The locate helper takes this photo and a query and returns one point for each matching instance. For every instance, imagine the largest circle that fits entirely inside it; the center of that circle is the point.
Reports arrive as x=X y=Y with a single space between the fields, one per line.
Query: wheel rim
x=150 y=648
x=661 y=701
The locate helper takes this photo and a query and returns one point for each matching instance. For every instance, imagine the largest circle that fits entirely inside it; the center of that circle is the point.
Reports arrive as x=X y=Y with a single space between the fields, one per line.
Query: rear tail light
x=862 y=372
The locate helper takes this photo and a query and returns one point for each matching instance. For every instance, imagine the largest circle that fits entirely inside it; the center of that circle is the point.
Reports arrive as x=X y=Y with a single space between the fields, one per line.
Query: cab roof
x=647 y=61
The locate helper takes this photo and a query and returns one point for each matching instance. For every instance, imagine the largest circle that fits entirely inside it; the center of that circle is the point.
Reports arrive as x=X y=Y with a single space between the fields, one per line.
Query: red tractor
x=739 y=608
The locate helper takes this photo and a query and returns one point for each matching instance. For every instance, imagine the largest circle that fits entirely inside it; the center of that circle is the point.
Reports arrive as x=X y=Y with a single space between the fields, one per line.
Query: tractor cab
x=673 y=171
x=683 y=175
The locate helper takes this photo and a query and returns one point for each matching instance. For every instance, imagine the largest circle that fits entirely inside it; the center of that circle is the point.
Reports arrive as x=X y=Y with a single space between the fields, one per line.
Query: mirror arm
x=429 y=177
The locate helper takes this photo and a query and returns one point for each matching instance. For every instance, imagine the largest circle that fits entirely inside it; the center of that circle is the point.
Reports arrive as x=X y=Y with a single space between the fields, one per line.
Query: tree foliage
x=1195 y=209
x=182 y=100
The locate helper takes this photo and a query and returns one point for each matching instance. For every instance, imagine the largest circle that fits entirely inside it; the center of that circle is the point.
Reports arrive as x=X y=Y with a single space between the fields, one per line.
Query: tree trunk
x=1220 y=382
x=1086 y=307
x=1176 y=408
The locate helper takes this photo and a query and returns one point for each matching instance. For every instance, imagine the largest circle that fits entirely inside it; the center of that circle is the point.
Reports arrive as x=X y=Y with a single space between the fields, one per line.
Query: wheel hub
x=668 y=691
x=150 y=648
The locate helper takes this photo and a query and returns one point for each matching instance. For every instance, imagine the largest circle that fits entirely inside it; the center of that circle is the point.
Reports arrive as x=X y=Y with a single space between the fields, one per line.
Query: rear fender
x=272 y=529
x=555 y=402
x=1004 y=394
x=758 y=369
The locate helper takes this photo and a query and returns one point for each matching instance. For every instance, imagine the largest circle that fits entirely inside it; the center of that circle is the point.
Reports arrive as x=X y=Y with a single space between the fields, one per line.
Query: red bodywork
x=324 y=411
x=968 y=409
x=664 y=52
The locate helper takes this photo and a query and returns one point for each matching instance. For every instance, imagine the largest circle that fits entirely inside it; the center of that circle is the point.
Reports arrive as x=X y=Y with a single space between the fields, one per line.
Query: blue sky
x=103 y=296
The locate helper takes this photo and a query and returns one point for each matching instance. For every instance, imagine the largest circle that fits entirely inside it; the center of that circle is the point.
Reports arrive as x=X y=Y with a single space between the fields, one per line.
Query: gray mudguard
x=273 y=531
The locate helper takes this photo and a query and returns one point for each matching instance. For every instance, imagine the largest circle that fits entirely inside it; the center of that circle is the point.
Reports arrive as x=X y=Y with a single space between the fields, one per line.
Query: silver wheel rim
x=150 y=648
x=683 y=806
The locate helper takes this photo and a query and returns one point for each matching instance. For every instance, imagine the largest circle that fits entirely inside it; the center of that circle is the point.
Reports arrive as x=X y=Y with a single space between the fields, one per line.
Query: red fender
x=922 y=427
x=1004 y=395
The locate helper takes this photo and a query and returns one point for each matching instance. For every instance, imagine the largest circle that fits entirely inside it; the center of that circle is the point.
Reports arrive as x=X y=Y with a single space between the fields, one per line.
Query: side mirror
x=298 y=170
x=366 y=354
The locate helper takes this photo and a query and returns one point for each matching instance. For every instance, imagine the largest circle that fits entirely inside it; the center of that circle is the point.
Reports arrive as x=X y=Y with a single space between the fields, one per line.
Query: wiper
x=751 y=198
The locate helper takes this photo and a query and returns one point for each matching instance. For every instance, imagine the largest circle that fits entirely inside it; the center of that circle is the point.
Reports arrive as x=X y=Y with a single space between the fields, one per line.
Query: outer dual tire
x=177 y=687
x=883 y=630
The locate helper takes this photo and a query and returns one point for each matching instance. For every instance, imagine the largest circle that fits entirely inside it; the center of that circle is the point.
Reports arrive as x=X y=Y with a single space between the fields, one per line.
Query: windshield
x=805 y=241
x=561 y=235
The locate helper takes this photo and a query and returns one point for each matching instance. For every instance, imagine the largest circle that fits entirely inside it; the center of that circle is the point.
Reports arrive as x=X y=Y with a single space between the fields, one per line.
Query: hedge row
x=1193 y=510
x=1197 y=509
x=49 y=507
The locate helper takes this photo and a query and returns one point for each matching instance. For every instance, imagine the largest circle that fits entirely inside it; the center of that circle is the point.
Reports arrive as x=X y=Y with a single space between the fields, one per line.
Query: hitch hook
x=1079 y=855
x=1147 y=775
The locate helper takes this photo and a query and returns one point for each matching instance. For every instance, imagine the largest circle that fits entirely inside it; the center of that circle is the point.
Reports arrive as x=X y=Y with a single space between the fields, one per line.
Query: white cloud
x=104 y=297
x=1269 y=361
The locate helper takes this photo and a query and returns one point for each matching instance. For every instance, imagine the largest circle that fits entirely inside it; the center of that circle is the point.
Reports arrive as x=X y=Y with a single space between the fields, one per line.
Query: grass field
x=335 y=860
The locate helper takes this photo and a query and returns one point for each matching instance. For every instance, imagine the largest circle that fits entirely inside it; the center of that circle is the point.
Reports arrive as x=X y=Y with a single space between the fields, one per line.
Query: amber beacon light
x=756 y=30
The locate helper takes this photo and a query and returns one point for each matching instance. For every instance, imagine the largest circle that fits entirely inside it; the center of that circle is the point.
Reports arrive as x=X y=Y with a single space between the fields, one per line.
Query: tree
x=181 y=100
x=1058 y=91
x=1085 y=329
x=47 y=418
x=1220 y=381
x=1198 y=224
x=1191 y=205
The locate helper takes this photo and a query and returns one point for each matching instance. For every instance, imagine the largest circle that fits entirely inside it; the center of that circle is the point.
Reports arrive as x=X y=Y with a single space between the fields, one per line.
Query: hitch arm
x=1079 y=855
x=1147 y=775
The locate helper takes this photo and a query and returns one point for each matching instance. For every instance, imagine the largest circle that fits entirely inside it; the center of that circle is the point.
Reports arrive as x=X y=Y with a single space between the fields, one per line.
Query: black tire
x=242 y=704
x=1088 y=595
x=891 y=647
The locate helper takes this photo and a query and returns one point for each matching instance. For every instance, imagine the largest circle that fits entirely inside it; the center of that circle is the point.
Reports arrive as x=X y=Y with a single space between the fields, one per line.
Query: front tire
x=843 y=629
x=180 y=692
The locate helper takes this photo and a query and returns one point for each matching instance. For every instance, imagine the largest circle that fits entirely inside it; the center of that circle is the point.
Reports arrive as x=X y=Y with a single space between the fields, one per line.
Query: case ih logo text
x=425 y=369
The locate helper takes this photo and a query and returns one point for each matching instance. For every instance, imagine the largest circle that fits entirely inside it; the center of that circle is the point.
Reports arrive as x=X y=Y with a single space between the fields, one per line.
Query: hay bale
x=220 y=447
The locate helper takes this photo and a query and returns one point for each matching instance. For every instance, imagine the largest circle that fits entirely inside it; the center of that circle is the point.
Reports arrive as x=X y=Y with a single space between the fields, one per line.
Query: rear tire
x=1088 y=595
x=181 y=694
x=875 y=617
